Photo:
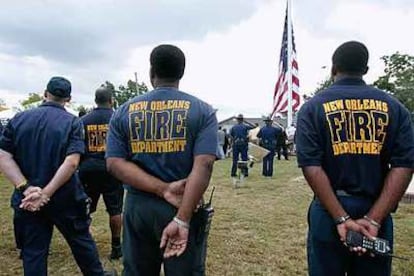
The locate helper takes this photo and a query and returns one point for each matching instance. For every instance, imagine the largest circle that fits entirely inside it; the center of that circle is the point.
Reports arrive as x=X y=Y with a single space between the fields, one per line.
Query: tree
x=124 y=93
x=33 y=98
x=82 y=110
x=2 y=105
x=322 y=85
x=398 y=79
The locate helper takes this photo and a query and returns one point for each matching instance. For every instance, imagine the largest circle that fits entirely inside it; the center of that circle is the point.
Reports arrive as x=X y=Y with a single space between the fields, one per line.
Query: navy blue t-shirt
x=239 y=134
x=161 y=131
x=356 y=133
x=269 y=136
x=39 y=140
x=96 y=125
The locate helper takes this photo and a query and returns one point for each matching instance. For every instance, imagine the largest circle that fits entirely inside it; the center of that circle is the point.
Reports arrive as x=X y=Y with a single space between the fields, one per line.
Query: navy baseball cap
x=59 y=87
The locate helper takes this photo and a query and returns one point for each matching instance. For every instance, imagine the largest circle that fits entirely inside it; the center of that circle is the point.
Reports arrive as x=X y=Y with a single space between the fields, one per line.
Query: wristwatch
x=22 y=186
x=342 y=219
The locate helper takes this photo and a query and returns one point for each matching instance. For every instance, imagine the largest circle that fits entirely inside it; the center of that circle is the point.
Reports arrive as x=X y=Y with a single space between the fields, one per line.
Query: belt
x=342 y=193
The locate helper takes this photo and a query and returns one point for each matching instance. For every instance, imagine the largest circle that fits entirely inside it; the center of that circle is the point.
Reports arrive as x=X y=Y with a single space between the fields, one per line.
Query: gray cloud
x=81 y=32
x=314 y=13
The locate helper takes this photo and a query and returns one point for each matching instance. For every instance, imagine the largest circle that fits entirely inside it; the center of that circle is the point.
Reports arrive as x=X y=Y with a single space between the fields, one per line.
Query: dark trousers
x=225 y=146
x=99 y=183
x=145 y=217
x=327 y=256
x=239 y=150
x=282 y=149
x=34 y=232
x=268 y=163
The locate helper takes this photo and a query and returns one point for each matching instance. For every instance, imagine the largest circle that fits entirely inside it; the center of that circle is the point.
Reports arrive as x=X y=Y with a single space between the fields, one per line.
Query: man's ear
x=152 y=76
x=45 y=94
x=68 y=99
x=365 y=71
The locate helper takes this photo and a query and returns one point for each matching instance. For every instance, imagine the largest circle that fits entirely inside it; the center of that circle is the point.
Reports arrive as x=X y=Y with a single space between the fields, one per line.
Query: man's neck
x=104 y=106
x=340 y=76
x=162 y=83
x=46 y=100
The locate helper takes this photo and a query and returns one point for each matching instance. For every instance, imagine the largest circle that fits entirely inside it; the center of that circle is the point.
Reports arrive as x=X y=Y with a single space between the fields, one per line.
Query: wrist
x=341 y=219
x=181 y=223
x=372 y=222
x=47 y=192
x=162 y=190
x=22 y=186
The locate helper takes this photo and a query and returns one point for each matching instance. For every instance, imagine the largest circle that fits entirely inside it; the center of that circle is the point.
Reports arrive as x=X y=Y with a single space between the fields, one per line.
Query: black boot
x=116 y=253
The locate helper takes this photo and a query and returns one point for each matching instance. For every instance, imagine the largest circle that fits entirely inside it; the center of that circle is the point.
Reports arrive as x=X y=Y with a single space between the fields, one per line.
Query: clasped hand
x=174 y=192
x=34 y=199
x=362 y=226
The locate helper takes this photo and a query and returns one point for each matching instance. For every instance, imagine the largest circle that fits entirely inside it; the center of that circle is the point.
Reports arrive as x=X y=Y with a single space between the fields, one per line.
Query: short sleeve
x=402 y=152
x=206 y=141
x=76 y=143
x=308 y=145
x=117 y=141
x=6 y=139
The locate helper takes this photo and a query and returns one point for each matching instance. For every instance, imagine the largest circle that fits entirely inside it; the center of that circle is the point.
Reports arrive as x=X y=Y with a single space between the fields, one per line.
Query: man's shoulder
x=195 y=100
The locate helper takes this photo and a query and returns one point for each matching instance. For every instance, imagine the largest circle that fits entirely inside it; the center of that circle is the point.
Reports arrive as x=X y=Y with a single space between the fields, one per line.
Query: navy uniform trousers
x=327 y=256
x=145 y=217
x=34 y=233
x=239 y=150
x=268 y=163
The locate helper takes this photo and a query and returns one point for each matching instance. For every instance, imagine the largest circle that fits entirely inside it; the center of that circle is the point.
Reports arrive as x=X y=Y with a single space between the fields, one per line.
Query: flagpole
x=289 y=61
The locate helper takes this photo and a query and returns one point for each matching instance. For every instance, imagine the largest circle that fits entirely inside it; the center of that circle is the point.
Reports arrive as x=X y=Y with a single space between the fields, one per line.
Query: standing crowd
x=354 y=144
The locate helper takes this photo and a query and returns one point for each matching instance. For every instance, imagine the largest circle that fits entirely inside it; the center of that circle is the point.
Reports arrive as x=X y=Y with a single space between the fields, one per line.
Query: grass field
x=259 y=229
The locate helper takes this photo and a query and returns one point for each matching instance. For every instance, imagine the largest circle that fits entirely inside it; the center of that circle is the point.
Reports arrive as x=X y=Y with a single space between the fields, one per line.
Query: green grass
x=259 y=229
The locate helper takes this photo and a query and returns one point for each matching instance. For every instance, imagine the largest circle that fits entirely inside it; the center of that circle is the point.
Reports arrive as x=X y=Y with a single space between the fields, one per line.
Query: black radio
x=377 y=246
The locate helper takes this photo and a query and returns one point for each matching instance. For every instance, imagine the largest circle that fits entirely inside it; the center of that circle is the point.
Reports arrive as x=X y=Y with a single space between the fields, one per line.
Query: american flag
x=280 y=96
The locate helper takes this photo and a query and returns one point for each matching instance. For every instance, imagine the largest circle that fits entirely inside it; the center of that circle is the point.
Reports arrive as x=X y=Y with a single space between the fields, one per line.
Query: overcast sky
x=232 y=46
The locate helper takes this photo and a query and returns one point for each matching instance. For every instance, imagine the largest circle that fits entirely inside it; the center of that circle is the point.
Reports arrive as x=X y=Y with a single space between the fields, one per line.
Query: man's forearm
x=62 y=175
x=197 y=184
x=131 y=174
x=319 y=182
x=10 y=169
x=395 y=185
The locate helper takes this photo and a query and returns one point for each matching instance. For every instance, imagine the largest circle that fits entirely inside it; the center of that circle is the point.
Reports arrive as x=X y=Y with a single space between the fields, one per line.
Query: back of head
x=351 y=58
x=103 y=96
x=167 y=62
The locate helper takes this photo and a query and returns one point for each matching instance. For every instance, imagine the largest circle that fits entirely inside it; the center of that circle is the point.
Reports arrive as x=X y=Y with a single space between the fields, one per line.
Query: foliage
x=398 y=78
x=124 y=93
x=82 y=110
x=32 y=98
x=323 y=85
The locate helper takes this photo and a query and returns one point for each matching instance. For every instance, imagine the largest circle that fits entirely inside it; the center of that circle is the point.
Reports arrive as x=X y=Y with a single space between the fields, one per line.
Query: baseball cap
x=59 y=87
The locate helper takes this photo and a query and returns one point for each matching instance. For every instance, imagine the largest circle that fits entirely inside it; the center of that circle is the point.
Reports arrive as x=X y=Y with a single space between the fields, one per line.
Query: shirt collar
x=350 y=81
x=53 y=104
